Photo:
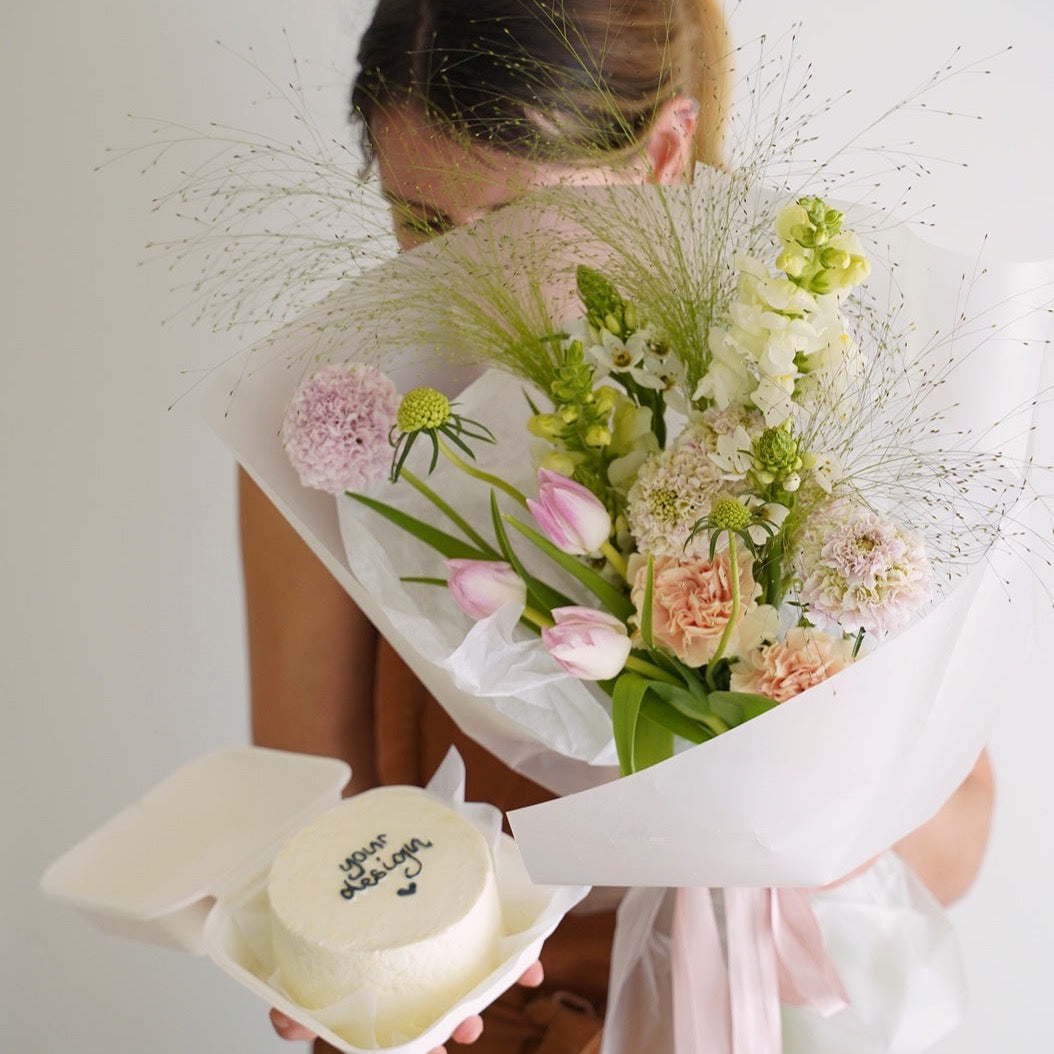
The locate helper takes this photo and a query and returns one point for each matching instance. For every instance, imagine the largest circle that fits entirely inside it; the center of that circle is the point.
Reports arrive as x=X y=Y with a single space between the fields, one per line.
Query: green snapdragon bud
x=597 y=436
x=817 y=254
x=545 y=426
x=605 y=306
x=600 y=297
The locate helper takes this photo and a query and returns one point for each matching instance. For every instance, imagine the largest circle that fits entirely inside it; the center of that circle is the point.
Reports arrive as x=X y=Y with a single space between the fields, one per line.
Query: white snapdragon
x=728 y=380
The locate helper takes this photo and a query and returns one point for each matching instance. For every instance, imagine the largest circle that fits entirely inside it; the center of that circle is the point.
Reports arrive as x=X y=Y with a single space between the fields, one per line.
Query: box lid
x=155 y=868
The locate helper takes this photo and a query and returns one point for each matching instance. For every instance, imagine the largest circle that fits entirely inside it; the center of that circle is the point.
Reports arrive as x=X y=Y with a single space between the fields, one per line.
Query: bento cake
x=393 y=892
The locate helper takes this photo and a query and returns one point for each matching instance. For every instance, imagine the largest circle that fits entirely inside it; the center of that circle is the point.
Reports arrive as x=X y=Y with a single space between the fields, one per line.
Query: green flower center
x=422 y=409
x=665 y=505
x=729 y=515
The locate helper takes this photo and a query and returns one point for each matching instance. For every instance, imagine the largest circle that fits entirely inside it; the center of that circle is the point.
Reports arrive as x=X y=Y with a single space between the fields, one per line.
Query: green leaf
x=690 y=704
x=639 y=740
x=652 y=742
x=626 y=699
x=737 y=707
x=451 y=514
x=612 y=598
x=664 y=714
x=446 y=544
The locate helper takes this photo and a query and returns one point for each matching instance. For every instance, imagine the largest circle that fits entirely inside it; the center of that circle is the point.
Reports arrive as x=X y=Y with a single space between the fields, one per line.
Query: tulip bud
x=570 y=516
x=588 y=644
x=480 y=587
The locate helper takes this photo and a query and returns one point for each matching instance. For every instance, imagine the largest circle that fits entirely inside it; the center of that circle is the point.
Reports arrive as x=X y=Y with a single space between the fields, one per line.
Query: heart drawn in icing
x=408 y=891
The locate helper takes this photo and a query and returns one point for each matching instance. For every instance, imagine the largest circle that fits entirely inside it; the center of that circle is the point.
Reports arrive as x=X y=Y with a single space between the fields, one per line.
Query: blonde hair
x=566 y=80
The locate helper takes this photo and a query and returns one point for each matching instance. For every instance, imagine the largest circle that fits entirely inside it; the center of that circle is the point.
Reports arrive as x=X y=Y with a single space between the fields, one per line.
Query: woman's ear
x=670 y=143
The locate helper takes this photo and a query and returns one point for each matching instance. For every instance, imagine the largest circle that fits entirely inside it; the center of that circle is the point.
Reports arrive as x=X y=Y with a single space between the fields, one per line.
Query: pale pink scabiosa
x=481 y=587
x=675 y=489
x=786 y=668
x=692 y=605
x=589 y=644
x=336 y=427
x=861 y=571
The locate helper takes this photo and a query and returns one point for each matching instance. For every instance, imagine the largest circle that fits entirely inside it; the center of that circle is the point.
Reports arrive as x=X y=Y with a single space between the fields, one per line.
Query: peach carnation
x=692 y=605
x=790 y=666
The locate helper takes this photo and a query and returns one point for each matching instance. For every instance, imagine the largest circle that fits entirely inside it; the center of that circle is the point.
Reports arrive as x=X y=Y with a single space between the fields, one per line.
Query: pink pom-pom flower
x=336 y=427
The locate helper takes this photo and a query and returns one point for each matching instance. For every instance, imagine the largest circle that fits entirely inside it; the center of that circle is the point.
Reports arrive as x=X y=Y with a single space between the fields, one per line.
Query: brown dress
x=413 y=734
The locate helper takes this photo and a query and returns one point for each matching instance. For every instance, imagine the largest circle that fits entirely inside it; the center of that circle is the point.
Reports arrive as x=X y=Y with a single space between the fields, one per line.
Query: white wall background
x=120 y=643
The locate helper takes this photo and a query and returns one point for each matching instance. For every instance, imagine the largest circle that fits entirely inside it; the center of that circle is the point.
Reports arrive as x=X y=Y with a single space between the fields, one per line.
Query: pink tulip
x=572 y=517
x=588 y=644
x=480 y=587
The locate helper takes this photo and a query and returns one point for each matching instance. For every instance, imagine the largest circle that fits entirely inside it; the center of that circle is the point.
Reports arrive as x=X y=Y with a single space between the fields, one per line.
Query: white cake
x=392 y=892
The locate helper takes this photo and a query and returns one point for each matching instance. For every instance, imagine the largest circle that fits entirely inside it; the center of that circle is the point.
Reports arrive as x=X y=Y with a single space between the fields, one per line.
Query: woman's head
x=534 y=90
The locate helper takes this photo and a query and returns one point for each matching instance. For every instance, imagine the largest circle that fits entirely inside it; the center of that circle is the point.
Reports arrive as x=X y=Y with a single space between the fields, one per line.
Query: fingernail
x=281 y=1022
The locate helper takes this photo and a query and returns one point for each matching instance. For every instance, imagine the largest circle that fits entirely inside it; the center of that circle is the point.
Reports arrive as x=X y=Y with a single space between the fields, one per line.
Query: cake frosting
x=391 y=892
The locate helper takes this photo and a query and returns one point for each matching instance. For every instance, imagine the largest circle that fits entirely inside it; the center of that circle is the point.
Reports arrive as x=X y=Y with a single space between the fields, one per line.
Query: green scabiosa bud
x=729 y=514
x=422 y=409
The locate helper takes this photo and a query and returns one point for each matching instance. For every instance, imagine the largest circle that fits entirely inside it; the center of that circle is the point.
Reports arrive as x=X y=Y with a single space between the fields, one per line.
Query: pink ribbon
x=776 y=954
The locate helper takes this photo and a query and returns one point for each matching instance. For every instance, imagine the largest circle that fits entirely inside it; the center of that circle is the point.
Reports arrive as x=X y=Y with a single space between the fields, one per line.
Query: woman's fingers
x=467 y=1032
x=289 y=1029
x=532 y=976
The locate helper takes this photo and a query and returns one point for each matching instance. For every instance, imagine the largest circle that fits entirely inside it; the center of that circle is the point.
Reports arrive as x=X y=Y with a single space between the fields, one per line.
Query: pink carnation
x=336 y=427
x=692 y=604
x=787 y=668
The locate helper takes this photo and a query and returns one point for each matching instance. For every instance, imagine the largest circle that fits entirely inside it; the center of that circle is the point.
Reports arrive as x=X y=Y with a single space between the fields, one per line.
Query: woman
x=466 y=107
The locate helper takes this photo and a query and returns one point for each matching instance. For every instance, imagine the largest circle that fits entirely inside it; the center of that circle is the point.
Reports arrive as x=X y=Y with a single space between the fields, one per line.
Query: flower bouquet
x=713 y=516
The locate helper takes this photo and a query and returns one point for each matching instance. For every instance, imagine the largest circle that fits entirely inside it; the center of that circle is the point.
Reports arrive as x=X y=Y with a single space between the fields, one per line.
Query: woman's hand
x=467 y=1032
x=946 y=852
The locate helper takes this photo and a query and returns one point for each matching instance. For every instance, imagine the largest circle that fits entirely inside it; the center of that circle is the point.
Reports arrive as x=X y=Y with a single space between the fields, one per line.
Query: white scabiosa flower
x=675 y=489
x=862 y=571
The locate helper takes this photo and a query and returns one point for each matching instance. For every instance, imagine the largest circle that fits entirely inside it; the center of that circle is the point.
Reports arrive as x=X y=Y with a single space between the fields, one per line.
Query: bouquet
x=708 y=493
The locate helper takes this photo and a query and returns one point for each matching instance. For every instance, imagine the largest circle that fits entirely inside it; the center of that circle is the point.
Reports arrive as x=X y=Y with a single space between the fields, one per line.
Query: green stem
x=648 y=669
x=448 y=510
x=615 y=558
x=773 y=573
x=478 y=473
x=536 y=617
x=733 y=560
